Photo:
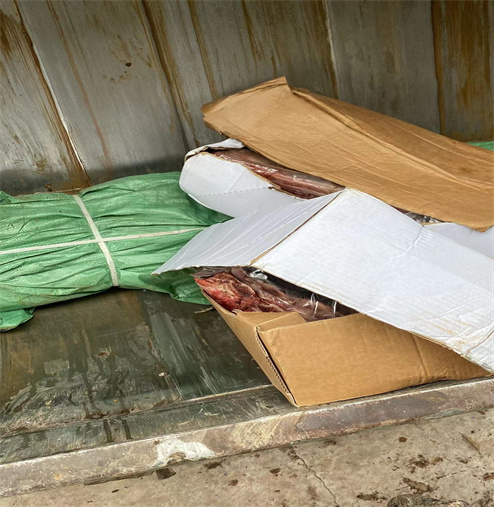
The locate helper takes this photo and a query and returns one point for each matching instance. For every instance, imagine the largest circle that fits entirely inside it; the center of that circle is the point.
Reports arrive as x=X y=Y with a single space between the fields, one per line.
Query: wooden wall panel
x=35 y=152
x=464 y=45
x=211 y=48
x=385 y=58
x=181 y=59
x=101 y=64
x=115 y=87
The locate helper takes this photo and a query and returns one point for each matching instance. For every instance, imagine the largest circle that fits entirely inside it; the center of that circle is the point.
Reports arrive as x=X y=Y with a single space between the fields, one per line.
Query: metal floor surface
x=130 y=381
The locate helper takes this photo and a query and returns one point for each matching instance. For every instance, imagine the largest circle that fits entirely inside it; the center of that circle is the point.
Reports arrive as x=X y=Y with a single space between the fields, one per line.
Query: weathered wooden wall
x=92 y=90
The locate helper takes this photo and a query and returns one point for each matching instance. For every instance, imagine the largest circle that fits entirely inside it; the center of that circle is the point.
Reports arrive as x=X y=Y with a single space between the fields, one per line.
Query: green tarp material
x=152 y=204
x=488 y=145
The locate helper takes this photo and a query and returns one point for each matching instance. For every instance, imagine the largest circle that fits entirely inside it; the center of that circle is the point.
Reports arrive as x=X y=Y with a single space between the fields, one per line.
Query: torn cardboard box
x=357 y=250
x=403 y=278
x=403 y=165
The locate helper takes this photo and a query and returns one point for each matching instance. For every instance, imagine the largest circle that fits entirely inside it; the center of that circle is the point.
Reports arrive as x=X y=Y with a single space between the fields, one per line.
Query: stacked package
x=360 y=258
x=57 y=246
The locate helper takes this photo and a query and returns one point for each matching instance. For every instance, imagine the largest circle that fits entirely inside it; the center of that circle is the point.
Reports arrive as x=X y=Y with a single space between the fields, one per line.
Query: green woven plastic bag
x=49 y=252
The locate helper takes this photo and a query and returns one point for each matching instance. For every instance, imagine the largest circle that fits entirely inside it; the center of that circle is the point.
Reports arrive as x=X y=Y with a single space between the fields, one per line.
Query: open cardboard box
x=425 y=294
x=233 y=189
x=344 y=358
x=405 y=166
x=403 y=278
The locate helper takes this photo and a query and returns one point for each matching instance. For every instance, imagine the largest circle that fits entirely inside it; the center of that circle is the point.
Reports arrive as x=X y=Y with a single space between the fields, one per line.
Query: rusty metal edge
x=137 y=457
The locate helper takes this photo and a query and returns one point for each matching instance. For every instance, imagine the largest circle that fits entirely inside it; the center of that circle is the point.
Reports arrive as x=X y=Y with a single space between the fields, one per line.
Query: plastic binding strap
x=99 y=240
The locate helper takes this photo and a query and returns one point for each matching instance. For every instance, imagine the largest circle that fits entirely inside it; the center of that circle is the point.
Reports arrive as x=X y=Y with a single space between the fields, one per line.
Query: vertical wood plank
x=181 y=60
x=299 y=43
x=385 y=58
x=101 y=63
x=464 y=45
x=34 y=146
x=211 y=48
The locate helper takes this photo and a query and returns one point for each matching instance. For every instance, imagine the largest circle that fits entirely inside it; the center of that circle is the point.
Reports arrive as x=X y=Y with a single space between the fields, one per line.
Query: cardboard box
x=344 y=358
x=368 y=256
x=226 y=186
x=405 y=166
x=407 y=281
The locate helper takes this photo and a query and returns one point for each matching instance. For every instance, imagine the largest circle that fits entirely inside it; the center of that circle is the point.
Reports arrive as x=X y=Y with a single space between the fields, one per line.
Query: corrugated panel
x=385 y=58
x=211 y=48
x=299 y=44
x=464 y=44
x=101 y=64
x=35 y=152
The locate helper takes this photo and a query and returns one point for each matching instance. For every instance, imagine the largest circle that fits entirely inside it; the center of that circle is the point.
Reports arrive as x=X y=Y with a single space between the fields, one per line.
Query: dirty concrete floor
x=448 y=459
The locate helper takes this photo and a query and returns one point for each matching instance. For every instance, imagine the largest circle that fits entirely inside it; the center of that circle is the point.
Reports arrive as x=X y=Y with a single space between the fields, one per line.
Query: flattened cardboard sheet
x=404 y=165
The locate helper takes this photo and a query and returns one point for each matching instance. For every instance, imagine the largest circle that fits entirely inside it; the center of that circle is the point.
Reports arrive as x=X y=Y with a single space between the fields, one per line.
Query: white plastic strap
x=99 y=240
x=91 y=241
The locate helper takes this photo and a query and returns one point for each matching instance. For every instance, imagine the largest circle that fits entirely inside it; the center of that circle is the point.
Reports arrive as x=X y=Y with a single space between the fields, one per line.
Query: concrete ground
x=448 y=459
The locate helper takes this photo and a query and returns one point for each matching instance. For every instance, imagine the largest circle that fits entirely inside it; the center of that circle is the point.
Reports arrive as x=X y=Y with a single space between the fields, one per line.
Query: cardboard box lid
x=363 y=253
x=237 y=242
x=406 y=166
x=482 y=242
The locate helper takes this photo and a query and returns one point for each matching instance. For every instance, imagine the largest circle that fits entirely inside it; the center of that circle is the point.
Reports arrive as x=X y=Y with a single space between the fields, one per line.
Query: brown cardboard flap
x=356 y=356
x=244 y=325
x=405 y=166
x=344 y=358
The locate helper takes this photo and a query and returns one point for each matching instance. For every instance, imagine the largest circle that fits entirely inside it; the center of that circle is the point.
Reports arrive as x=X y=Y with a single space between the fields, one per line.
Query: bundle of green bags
x=56 y=246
